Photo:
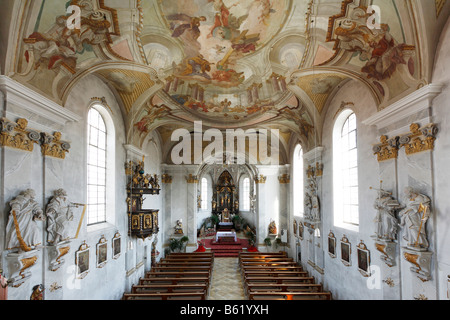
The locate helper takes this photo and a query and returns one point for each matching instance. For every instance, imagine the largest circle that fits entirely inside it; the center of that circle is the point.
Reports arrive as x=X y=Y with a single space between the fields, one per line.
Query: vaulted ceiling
x=228 y=63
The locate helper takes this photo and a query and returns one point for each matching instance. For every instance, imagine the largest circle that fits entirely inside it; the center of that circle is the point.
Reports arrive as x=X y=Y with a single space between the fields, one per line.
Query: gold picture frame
x=332 y=245
x=82 y=261
x=102 y=252
x=346 y=251
x=116 y=246
x=363 y=259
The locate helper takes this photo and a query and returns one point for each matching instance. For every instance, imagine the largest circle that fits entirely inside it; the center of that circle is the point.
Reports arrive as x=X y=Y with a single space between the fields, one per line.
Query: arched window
x=345 y=162
x=100 y=168
x=246 y=195
x=298 y=184
x=204 y=194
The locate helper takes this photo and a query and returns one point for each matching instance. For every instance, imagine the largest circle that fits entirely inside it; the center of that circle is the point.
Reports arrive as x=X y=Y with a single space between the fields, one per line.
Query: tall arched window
x=298 y=184
x=100 y=168
x=204 y=194
x=345 y=163
x=246 y=195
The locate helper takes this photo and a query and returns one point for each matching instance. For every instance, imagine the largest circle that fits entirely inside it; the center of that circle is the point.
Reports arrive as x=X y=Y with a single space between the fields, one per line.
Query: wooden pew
x=166 y=296
x=176 y=274
x=174 y=280
x=274 y=274
x=269 y=263
x=261 y=255
x=279 y=280
x=273 y=268
x=170 y=288
x=289 y=296
x=286 y=287
x=181 y=269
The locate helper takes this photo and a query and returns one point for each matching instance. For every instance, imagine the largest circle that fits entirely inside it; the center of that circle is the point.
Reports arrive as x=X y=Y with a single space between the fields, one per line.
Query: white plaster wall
x=346 y=282
x=441 y=156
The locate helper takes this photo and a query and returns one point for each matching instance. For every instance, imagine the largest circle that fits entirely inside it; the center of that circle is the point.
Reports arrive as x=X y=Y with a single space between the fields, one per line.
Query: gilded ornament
x=53 y=146
x=260 y=179
x=284 y=179
x=192 y=179
x=16 y=135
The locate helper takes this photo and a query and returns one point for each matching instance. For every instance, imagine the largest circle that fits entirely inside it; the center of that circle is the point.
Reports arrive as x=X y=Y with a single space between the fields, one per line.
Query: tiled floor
x=226 y=283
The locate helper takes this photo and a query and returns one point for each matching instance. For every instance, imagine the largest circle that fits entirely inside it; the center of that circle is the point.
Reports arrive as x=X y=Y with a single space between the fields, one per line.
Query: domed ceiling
x=228 y=63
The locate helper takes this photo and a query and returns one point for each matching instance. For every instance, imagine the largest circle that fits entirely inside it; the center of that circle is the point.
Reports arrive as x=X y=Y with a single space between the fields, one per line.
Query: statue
x=179 y=227
x=59 y=215
x=22 y=230
x=386 y=222
x=273 y=228
x=414 y=217
x=38 y=293
x=311 y=202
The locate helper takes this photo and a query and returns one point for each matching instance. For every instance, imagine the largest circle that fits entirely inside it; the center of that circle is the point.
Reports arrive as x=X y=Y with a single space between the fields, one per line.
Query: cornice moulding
x=133 y=151
x=19 y=99
x=413 y=103
x=313 y=154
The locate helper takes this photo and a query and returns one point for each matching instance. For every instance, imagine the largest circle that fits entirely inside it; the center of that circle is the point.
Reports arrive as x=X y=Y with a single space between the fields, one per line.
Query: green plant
x=268 y=242
x=177 y=244
x=251 y=237
x=215 y=219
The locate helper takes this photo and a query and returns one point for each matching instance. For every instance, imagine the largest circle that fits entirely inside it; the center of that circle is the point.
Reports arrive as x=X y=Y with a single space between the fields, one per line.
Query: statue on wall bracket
x=23 y=236
x=386 y=225
x=413 y=218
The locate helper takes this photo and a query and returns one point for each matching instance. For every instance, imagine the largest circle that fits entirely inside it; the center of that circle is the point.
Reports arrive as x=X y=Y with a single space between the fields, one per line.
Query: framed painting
x=116 y=246
x=363 y=259
x=332 y=245
x=102 y=252
x=346 y=251
x=82 y=261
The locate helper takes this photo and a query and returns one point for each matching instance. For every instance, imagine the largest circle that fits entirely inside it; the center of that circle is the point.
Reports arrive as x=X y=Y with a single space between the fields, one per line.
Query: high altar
x=225 y=202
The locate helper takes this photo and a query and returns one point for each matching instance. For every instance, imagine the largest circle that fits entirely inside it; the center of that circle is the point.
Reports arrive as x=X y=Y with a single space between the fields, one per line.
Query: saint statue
x=179 y=227
x=22 y=230
x=414 y=218
x=386 y=222
x=59 y=215
x=273 y=228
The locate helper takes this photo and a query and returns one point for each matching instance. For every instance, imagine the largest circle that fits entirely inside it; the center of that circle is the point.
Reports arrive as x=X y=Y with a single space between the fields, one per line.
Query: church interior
x=224 y=150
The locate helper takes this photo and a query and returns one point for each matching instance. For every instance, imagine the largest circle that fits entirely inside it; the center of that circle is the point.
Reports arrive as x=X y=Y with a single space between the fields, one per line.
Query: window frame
x=110 y=172
x=298 y=182
x=245 y=204
x=340 y=166
x=204 y=194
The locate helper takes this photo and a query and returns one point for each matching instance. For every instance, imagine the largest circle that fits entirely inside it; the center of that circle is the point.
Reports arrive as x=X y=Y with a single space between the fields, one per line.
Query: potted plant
x=177 y=245
x=268 y=243
x=237 y=220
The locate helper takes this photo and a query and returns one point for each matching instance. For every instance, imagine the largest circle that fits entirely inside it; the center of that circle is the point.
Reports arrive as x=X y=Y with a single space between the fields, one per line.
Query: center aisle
x=226 y=282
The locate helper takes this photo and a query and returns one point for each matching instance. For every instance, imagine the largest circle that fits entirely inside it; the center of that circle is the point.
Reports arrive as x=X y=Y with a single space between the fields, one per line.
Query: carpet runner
x=225 y=250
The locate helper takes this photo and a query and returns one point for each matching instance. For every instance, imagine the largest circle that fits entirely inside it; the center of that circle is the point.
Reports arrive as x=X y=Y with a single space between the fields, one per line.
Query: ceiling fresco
x=228 y=63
